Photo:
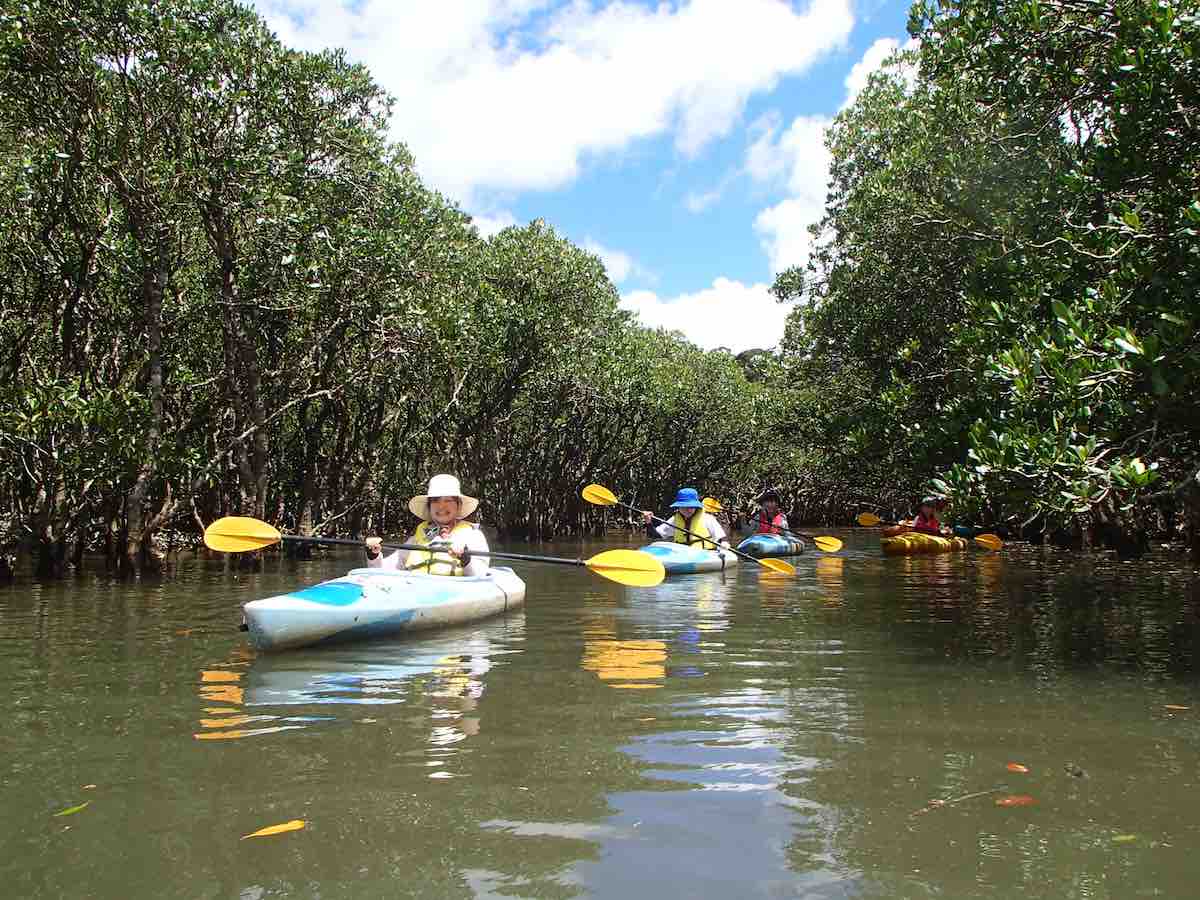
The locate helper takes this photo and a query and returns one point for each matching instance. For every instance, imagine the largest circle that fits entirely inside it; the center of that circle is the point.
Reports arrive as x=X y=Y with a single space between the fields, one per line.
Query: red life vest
x=927 y=526
x=774 y=526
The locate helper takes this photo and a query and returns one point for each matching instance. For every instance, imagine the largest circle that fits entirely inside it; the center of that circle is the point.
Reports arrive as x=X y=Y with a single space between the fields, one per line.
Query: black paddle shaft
x=753 y=559
x=350 y=542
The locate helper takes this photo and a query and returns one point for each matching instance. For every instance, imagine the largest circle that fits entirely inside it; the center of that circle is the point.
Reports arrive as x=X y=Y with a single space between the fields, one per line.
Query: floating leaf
x=88 y=787
x=1016 y=767
x=1124 y=838
x=294 y=825
x=1175 y=707
x=71 y=810
x=1016 y=800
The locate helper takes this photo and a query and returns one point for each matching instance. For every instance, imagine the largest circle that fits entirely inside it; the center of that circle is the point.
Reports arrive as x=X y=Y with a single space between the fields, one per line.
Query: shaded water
x=712 y=737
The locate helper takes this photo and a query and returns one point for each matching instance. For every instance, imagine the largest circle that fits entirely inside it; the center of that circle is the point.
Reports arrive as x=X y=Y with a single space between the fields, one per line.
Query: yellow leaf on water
x=88 y=787
x=1124 y=838
x=1175 y=707
x=71 y=810
x=294 y=825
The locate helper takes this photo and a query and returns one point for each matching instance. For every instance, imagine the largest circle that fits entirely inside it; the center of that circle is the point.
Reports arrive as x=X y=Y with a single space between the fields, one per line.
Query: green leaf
x=1128 y=345
x=71 y=810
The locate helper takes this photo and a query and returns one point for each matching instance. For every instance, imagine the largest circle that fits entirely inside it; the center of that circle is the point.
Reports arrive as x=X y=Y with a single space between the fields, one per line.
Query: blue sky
x=679 y=141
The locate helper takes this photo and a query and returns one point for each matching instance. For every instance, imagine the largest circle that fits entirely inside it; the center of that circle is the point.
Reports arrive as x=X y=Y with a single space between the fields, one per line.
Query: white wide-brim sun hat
x=442 y=486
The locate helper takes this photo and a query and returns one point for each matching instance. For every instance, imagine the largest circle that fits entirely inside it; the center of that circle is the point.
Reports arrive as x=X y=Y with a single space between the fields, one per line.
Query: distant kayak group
x=443 y=574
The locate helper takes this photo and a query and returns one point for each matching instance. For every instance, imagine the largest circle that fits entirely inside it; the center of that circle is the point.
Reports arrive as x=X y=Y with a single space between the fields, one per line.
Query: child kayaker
x=689 y=515
x=461 y=546
x=927 y=521
x=769 y=519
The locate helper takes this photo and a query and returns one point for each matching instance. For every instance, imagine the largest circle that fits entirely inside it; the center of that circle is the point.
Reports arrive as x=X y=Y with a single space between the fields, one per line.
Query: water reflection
x=447 y=669
x=791 y=729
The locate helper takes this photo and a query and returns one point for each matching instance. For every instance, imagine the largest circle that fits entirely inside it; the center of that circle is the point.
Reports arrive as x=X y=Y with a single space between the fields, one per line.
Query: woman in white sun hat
x=442 y=509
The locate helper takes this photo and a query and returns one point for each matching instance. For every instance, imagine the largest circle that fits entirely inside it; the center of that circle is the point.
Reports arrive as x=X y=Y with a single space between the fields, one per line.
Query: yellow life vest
x=697 y=527
x=432 y=562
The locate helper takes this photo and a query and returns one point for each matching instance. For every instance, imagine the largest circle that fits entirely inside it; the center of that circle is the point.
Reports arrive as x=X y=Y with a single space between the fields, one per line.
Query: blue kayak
x=680 y=559
x=762 y=546
x=368 y=603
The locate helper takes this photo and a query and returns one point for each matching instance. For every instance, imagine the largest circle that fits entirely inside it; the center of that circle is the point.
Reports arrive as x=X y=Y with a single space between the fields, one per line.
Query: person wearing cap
x=690 y=515
x=457 y=547
x=927 y=521
x=769 y=519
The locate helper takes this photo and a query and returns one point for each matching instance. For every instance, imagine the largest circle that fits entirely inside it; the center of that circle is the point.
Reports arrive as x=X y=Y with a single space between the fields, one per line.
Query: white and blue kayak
x=368 y=603
x=762 y=546
x=680 y=559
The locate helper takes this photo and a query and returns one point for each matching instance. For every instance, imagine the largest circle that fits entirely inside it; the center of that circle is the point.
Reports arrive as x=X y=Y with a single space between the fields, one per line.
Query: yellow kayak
x=913 y=542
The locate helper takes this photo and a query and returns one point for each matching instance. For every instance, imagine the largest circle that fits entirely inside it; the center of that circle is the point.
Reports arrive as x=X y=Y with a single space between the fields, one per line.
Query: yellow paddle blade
x=827 y=544
x=629 y=567
x=868 y=520
x=778 y=565
x=989 y=541
x=712 y=505
x=239 y=534
x=600 y=495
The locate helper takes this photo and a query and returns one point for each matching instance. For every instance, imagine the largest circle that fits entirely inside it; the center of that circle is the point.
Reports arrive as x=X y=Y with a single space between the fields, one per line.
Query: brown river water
x=734 y=735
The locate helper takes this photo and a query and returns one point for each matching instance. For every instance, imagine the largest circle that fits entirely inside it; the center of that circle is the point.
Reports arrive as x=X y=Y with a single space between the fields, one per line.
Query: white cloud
x=797 y=159
x=871 y=60
x=728 y=314
x=514 y=94
x=877 y=54
x=493 y=223
x=618 y=265
x=784 y=232
x=699 y=201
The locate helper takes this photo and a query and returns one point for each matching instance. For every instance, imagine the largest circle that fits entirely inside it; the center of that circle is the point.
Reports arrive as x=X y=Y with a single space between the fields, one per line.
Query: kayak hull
x=369 y=603
x=680 y=559
x=913 y=543
x=762 y=546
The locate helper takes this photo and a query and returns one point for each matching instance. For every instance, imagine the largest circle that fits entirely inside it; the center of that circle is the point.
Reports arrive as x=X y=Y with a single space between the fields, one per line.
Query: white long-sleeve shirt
x=474 y=540
x=716 y=532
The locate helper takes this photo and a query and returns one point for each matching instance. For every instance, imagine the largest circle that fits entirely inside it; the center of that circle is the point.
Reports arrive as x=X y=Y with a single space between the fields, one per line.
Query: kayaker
x=442 y=509
x=690 y=515
x=769 y=519
x=927 y=521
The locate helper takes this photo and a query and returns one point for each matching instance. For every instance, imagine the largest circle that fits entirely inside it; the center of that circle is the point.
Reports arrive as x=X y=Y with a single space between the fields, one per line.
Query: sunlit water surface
x=716 y=736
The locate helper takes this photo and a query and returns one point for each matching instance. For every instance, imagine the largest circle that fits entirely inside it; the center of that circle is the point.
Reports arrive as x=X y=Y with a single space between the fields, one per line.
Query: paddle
x=602 y=496
x=987 y=541
x=240 y=534
x=823 y=542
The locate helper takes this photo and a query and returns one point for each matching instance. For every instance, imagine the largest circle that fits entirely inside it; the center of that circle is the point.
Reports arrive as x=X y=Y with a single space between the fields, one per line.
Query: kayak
x=762 y=546
x=913 y=543
x=680 y=559
x=367 y=603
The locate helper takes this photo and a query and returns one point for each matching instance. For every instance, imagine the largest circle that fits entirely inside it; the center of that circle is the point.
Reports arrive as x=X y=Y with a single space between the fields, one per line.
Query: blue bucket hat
x=687 y=498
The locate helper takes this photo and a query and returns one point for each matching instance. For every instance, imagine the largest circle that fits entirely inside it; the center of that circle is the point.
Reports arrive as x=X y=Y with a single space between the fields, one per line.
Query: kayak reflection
x=279 y=692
